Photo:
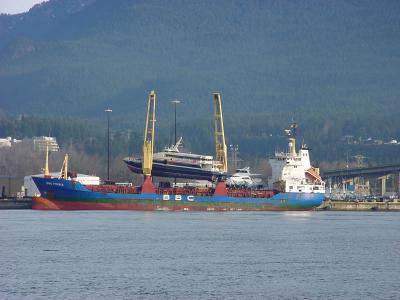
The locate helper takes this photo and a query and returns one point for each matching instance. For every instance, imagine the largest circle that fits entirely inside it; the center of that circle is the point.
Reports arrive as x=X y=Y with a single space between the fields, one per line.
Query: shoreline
x=358 y=206
x=16 y=203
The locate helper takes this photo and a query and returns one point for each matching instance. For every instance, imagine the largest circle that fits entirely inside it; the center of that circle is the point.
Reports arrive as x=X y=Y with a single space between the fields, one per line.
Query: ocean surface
x=185 y=255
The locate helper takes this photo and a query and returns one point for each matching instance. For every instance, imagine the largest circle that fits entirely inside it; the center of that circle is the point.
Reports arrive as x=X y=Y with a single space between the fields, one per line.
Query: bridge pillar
x=398 y=183
x=383 y=184
x=367 y=187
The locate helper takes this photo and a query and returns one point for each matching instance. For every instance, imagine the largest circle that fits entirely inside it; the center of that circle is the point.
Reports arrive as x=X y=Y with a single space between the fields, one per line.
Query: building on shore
x=8 y=142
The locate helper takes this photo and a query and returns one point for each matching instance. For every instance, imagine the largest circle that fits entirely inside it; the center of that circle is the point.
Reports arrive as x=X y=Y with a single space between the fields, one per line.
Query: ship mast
x=220 y=146
x=148 y=144
x=291 y=133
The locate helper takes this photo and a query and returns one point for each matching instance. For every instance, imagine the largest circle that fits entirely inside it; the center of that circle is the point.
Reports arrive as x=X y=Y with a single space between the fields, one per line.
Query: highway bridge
x=371 y=179
x=349 y=173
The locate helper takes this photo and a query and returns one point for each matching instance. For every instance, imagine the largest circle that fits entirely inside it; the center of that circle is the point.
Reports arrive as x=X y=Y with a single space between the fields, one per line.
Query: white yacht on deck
x=244 y=178
x=172 y=163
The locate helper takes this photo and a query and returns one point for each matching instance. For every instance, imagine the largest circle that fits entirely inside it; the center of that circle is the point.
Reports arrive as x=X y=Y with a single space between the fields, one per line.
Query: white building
x=8 y=142
x=5 y=143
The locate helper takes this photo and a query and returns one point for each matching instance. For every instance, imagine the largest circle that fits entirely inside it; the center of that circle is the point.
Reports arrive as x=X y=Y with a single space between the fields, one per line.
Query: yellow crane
x=64 y=168
x=148 y=144
x=220 y=146
x=46 y=163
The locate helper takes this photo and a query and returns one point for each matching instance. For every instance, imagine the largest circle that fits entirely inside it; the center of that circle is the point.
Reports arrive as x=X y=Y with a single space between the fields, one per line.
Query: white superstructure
x=292 y=171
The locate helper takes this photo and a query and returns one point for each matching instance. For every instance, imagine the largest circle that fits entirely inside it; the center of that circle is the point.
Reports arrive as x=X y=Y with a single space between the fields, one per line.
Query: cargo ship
x=296 y=185
x=67 y=194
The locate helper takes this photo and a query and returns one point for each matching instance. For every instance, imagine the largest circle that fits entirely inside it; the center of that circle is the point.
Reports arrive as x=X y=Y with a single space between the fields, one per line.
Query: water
x=167 y=255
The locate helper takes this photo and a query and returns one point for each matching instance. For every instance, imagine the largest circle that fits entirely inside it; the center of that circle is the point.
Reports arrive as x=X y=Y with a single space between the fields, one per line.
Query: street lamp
x=234 y=151
x=175 y=102
x=108 y=111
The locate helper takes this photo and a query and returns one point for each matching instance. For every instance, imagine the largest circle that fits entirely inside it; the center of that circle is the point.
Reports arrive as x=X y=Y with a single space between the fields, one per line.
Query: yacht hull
x=174 y=170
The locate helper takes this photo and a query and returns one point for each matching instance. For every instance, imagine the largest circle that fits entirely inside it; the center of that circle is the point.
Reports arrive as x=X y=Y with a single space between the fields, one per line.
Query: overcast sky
x=17 y=6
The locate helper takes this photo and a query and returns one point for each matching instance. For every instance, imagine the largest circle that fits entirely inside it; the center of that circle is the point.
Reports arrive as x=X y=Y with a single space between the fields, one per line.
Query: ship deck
x=195 y=191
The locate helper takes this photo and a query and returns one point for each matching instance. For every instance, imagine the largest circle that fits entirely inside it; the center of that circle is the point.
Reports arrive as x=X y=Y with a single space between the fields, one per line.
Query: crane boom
x=46 y=162
x=220 y=146
x=148 y=144
x=64 y=168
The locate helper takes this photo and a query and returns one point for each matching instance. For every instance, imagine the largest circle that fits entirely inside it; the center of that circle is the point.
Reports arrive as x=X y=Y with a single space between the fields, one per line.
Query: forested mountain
x=334 y=66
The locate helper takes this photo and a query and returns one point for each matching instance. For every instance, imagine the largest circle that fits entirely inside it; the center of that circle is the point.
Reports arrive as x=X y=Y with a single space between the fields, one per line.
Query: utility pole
x=175 y=102
x=129 y=141
x=360 y=160
x=234 y=151
x=108 y=111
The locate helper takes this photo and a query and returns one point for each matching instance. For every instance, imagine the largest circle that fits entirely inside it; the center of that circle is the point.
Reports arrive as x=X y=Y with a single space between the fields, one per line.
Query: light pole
x=108 y=111
x=234 y=150
x=129 y=141
x=175 y=102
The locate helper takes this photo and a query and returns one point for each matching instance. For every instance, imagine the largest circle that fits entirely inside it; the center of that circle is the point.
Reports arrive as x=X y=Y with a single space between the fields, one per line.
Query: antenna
x=360 y=159
x=293 y=127
x=291 y=133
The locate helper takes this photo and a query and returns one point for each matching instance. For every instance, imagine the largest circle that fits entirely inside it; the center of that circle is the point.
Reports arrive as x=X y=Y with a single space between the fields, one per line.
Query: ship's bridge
x=283 y=156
